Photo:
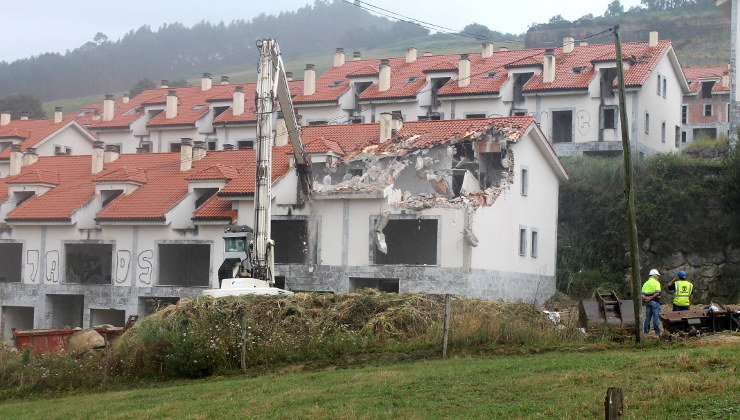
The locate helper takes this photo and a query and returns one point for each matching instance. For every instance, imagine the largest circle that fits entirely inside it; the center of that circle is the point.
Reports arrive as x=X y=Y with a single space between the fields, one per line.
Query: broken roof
x=696 y=75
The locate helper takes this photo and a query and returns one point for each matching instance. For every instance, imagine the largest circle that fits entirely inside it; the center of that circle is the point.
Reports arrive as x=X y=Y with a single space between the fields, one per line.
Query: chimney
x=164 y=84
x=463 y=71
x=339 y=57
x=356 y=56
x=224 y=80
x=289 y=76
x=583 y=44
x=186 y=154
x=386 y=121
x=24 y=115
x=98 y=156
x=653 y=39
x=384 y=76
x=29 y=156
x=427 y=54
x=16 y=160
x=108 y=107
x=503 y=49
x=206 y=82
x=281 y=130
x=237 y=103
x=411 y=54
x=487 y=50
x=568 y=44
x=228 y=146
x=548 y=66
x=726 y=79
x=309 y=80
x=396 y=122
x=4 y=118
x=110 y=154
x=199 y=149
x=170 y=110
x=57 y=114
x=125 y=98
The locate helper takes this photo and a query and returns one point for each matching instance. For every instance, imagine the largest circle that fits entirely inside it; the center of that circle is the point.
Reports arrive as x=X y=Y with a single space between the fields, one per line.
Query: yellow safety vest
x=650 y=287
x=682 y=293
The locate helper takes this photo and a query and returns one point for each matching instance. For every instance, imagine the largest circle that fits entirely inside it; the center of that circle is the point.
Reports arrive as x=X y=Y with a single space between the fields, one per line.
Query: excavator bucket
x=606 y=309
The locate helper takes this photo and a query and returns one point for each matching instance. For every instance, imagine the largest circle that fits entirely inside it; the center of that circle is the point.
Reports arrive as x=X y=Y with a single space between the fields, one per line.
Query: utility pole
x=629 y=192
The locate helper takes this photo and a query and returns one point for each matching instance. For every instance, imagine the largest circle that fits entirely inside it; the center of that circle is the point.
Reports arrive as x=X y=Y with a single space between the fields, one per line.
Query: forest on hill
x=699 y=30
x=175 y=51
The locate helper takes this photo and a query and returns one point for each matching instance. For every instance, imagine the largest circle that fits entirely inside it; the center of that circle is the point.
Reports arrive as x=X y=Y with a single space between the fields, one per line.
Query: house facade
x=706 y=108
x=466 y=207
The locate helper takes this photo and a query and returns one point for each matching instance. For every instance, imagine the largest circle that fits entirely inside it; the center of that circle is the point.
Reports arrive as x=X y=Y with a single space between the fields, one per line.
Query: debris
x=379 y=236
x=84 y=340
x=553 y=316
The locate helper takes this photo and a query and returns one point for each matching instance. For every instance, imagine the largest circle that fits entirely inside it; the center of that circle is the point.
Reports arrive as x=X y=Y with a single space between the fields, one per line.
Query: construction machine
x=249 y=252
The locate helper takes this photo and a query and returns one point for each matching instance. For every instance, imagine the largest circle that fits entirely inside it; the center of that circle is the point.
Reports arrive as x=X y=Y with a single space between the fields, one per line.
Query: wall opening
x=114 y=317
x=705 y=132
x=562 y=126
x=706 y=89
x=291 y=241
x=607 y=81
x=150 y=305
x=187 y=265
x=11 y=262
x=18 y=317
x=519 y=81
x=88 y=263
x=409 y=242
x=66 y=310
x=384 y=285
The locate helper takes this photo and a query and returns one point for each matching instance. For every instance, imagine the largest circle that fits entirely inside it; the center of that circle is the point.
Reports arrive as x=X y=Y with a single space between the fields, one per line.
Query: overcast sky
x=31 y=27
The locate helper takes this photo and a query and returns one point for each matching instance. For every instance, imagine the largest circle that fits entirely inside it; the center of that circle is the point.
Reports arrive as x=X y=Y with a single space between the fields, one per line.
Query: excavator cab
x=237 y=252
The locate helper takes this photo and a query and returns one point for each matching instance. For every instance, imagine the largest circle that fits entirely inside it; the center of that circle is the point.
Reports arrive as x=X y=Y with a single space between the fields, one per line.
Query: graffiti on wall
x=145 y=264
x=32 y=259
x=52 y=266
x=584 y=122
x=84 y=268
x=123 y=262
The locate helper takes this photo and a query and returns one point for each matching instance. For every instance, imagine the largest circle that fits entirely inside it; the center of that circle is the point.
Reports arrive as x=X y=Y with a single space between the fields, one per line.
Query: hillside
x=175 y=51
x=699 y=31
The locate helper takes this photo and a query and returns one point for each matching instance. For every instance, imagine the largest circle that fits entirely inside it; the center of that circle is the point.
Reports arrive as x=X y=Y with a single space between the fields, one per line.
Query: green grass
x=658 y=383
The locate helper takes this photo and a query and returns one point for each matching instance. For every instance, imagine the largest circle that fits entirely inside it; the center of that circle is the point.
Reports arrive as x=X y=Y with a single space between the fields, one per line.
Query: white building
x=466 y=207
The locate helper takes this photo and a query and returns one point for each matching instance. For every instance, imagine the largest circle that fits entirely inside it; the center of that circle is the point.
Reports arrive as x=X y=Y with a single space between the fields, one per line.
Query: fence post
x=244 y=344
x=613 y=404
x=448 y=310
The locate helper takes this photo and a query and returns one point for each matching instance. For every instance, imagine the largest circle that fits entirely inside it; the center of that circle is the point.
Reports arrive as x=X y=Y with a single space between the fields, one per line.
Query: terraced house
x=467 y=206
x=706 y=108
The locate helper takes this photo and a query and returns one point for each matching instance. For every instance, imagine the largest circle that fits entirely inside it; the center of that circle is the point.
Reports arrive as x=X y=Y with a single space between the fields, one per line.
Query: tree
x=100 y=38
x=481 y=32
x=141 y=86
x=20 y=103
x=179 y=83
x=614 y=9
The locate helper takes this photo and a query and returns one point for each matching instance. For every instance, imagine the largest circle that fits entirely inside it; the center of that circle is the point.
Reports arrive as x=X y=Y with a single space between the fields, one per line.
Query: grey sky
x=31 y=27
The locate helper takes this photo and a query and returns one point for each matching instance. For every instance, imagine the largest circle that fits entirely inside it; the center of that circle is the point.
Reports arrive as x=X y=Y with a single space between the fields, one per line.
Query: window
x=647 y=123
x=218 y=110
x=706 y=89
x=293 y=237
x=245 y=144
x=684 y=113
x=525 y=180
x=490 y=75
x=336 y=83
x=562 y=126
x=109 y=195
x=88 y=263
x=607 y=82
x=660 y=83
x=211 y=145
x=175 y=147
x=519 y=81
x=662 y=131
x=708 y=110
x=475 y=115
x=409 y=242
x=522 y=240
x=609 y=117
x=677 y=136
x=665 y=88
x=144 y=148
x=184 y=264
x=683 y=137
x=518 y=112
x=203 y=195
x=62 y=150
x=411 y=79
x=578 y=69
x=11 y=262
x=318 y=122
x=384 y=285
x=535 y=237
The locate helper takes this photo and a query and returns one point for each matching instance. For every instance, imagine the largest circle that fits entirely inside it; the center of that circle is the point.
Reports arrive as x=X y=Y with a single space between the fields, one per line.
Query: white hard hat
x=654 y=272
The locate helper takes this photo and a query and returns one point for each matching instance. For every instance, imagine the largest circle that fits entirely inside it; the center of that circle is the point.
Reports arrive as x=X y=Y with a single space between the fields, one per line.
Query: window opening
x=535 y=240
x=88 y=263
x=562 y=126
x=607 y=82
x=409 y=242
x=186 y=265
x=706 y=89
x=520 y=79
x=203 y=195
x=522 y=240
x=109 y=195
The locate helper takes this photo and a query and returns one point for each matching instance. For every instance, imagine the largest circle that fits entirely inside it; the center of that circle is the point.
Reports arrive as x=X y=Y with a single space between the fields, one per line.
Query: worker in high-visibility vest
x=682 y=290
x=651 y=299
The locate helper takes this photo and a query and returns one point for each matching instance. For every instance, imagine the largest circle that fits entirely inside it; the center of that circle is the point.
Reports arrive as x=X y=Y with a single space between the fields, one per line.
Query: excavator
x=249 y=264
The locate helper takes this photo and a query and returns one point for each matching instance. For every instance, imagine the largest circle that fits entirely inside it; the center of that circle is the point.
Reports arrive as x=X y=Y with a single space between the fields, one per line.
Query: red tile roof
x=243 y=185
x=32 y=131
x=163 y=184
x=215 y=209
x=694 y=74
x=218 y=171
x=35 y=176
x=482 y=79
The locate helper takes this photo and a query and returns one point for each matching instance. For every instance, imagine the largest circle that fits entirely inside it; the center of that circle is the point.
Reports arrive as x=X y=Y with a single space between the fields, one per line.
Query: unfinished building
x=467 y=207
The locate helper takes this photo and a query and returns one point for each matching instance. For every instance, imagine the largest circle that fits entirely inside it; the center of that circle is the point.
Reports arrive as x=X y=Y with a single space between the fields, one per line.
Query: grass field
x=699 y=382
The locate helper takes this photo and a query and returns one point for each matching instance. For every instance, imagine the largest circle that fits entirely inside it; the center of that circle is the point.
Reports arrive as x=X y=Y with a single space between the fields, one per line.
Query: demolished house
x=467 y=207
